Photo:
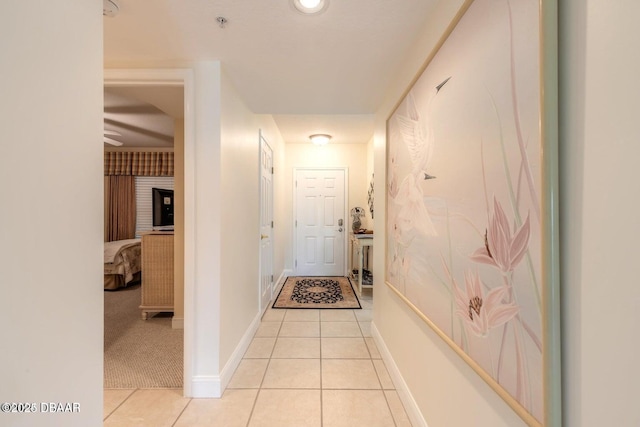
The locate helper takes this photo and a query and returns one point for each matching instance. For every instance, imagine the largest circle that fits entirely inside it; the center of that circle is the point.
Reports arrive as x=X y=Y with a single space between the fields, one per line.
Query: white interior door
x=320 y=222
x=266 y=223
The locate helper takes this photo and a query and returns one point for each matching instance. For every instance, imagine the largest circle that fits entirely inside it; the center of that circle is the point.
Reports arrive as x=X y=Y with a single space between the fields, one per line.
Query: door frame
x=345 y=216
x=262 y=142
x=183 y=77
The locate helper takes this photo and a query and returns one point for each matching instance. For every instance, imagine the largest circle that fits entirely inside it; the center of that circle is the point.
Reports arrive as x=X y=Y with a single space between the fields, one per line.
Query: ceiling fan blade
x=112 y=141
x=112 y=132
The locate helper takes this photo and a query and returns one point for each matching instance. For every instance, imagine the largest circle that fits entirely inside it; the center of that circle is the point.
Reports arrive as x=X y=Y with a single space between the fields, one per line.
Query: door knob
x=340 y=229
x=263 y=236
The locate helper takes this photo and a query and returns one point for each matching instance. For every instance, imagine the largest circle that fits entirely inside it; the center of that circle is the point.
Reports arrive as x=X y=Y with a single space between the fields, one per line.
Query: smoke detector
x=110 y=8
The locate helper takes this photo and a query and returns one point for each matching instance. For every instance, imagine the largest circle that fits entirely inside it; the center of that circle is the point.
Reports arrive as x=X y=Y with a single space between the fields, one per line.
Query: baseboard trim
x=213 y=386
x=232 y=364
x=177 y=322
x=281 y=280
x=410 y=404
x=206 y=386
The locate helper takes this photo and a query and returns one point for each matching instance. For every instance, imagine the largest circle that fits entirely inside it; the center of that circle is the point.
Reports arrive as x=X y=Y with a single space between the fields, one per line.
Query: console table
x=359 y=241
x=157 y=273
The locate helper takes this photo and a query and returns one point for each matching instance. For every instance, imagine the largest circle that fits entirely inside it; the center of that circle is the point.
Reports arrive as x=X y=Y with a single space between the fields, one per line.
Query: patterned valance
x=156 y=163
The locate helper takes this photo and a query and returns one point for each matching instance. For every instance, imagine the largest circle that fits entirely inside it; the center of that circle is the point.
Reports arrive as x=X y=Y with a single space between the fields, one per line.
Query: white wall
x=221 y=258
x=599 y=105
x=240 y=220
x=204 y=337
x=51 y=214
x=352 y=156
x=239 y=228
x=446 y=391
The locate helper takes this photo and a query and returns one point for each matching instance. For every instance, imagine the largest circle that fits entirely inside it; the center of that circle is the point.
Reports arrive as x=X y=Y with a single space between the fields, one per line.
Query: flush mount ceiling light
x=309 y=7
x=320 y=138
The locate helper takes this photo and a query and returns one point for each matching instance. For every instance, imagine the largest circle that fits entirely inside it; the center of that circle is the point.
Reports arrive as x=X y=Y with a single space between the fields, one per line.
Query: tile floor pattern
x=316 y=368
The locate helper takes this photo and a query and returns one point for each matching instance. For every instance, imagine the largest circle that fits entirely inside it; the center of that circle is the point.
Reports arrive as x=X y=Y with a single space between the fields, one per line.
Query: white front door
x=320 y=222
x=266 y=223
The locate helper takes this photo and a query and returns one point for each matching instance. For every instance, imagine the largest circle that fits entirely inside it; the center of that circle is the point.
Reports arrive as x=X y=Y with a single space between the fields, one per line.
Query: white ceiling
x=142 y=116
x=326 y=73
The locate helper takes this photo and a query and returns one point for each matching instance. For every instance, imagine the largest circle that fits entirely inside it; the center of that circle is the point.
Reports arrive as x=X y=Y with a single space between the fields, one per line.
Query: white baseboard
x=177 y=322
x=214 y=385
x=232 y=364
x=206 y=386
x=410 y=405
x=280 y=281
x=203 y=386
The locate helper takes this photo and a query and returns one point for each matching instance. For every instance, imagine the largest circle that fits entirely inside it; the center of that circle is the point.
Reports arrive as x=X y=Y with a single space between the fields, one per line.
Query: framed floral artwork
x=471 y=211
x=370 y=196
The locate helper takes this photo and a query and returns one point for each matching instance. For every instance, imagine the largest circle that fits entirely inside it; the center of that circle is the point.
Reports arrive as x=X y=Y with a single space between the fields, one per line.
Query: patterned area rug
x=317 y=292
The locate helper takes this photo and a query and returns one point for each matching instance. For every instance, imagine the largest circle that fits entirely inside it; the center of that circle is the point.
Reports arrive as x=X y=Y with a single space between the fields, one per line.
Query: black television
x=162 y=209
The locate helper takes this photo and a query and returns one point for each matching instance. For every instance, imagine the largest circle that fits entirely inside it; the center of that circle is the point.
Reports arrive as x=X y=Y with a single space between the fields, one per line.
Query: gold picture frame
x=472 y=199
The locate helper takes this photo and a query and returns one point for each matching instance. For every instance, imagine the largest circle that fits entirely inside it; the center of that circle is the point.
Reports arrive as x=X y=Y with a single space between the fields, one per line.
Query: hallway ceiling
x=310 y=72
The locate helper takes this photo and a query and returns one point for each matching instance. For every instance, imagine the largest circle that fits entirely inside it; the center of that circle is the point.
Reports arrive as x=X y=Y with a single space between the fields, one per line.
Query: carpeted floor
x=317 y=292
x=139 y=353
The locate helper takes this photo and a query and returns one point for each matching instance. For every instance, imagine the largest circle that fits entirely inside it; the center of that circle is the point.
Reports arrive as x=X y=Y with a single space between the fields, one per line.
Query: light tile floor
x=318 y=368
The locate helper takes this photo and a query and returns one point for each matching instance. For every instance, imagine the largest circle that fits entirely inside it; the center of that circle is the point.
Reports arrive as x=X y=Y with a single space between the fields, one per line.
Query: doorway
x=266 y=223
x=319 y=221
x=179 y=78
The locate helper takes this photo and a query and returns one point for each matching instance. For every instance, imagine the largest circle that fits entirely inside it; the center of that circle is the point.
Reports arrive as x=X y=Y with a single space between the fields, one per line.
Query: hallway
x=303 y=368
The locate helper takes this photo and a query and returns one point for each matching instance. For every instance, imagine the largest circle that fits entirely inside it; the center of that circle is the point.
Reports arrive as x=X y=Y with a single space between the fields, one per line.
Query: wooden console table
x=157 y=273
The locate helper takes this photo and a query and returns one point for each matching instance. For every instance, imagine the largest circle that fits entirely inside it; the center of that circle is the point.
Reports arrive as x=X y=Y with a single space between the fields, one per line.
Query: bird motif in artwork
x=413 y=213
x=418 y=136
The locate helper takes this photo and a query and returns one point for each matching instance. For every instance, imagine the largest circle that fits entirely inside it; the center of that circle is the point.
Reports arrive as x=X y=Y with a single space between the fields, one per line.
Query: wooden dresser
x=157 y=272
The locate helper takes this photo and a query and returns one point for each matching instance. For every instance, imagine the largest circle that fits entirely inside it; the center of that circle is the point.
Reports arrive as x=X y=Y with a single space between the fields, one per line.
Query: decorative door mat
x=317 y=292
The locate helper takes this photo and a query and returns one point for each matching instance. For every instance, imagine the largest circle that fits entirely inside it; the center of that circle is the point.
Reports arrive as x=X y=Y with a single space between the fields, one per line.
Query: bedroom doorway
x=158 y=88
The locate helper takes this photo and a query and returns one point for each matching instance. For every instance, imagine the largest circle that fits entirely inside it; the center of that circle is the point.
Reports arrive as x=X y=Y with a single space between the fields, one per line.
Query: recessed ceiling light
x=320 y=138
x=309 y=7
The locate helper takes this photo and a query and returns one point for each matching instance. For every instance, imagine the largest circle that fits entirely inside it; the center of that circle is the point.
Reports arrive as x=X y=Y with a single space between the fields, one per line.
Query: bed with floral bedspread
x=122 y=263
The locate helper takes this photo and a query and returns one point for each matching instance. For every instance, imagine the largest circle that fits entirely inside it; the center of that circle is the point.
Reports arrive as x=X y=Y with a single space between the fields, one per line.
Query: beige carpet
x=317 y=292
x=139 y=353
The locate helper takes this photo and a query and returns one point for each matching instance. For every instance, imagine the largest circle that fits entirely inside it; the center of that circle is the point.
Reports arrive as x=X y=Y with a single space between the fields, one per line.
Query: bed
x=122 y=263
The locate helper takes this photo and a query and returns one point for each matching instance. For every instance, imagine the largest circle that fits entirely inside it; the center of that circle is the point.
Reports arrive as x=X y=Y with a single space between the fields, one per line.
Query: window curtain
x=120 y=207
x=120 y=169
x=152 y=163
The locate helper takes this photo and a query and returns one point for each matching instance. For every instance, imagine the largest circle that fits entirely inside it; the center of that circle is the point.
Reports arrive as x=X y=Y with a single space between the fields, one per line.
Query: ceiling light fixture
x=309 y=7
x=320 y=138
